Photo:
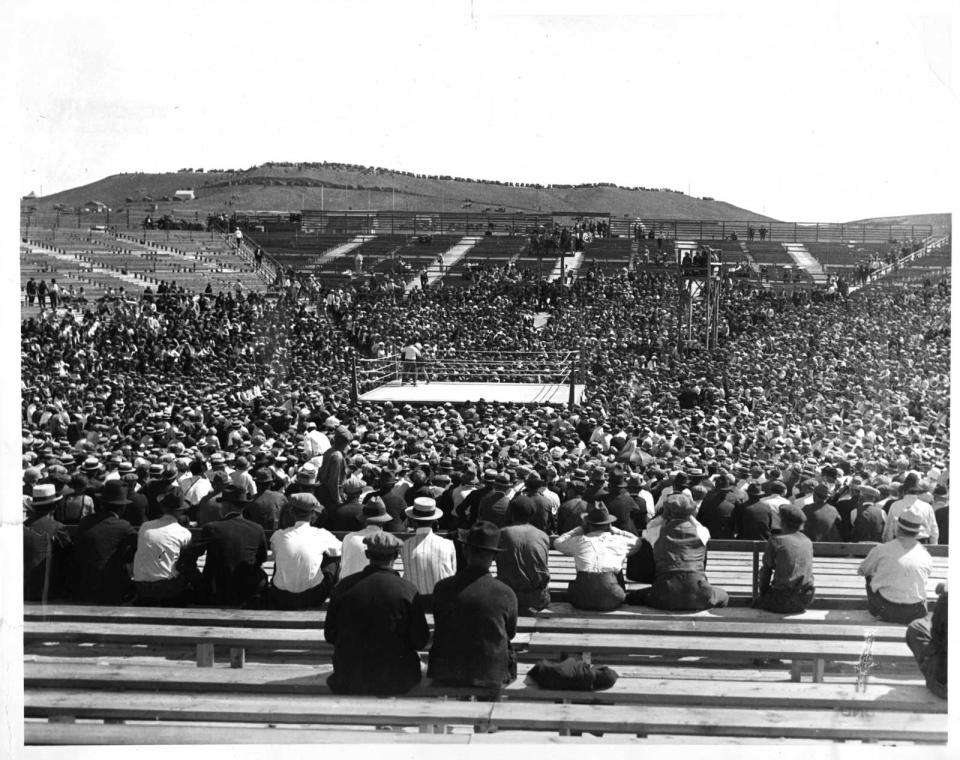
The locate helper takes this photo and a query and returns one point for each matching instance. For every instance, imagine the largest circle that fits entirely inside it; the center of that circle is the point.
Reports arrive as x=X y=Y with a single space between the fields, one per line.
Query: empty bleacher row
x=99 y=262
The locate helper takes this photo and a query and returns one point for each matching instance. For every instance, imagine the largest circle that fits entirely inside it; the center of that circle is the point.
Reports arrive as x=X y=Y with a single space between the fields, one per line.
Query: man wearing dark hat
x=235 y=547
x=266 y=508
x=679 y=545
x=306 y=558
x=786 y=576
x=822 y=520
x=427 y=558
x=469 y=508
x=103 y=547
x=912 y=491
x=630 y=513
x=376 y=624
x=76 y=503
x=599 y=551
x=541 y=513
x=493 y=507
x=160 y=544
x=210 y=507
x=475 y=617
x=163 y=479
x=897 y=573
x=375 y=516
x=719 y=506
x=571 y=512
x=45 y=543
x=869 y=518
x=522 y=563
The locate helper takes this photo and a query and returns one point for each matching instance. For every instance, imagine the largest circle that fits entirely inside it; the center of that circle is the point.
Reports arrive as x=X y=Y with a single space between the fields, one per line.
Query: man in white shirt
x=897 y=573
x=598 y=550
x=427 y=557
x=315 y=443
x=241 y=477
x=929 y=530
x=410 y=355
x=305 y=559
x=194 y=485
x=353 y=552
x=160 y=543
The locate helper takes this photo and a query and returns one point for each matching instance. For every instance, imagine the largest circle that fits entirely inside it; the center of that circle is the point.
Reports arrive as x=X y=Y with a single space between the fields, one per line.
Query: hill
x=939 y=222
x=287 y=187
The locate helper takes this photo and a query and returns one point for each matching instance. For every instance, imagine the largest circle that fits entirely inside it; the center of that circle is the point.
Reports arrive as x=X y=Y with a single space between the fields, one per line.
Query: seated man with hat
x=376 y=624
x=599 y=551
x=679 y=545
x=160 y=544
x=786 y=576
x=45 y=546
x=235 y=547
x=427 y=557
x=897 y=573
x=353 y=554
x=475 y=618
x=104 y=546
x=306 y=558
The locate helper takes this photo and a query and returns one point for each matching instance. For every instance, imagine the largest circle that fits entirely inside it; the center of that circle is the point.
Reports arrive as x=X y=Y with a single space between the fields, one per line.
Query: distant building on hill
x=95 y=207
x=185 y=195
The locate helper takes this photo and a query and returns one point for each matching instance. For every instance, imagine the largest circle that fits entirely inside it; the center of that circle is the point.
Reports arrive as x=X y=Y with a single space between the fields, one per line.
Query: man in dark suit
x=45 y=543
x=235 y=547
x=475 y=617
x=104 y=547
x=631 y=516
x=716 y=511
x=376 y=624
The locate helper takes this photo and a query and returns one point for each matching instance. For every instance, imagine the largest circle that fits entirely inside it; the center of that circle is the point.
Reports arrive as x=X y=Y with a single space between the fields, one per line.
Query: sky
x=810 y=112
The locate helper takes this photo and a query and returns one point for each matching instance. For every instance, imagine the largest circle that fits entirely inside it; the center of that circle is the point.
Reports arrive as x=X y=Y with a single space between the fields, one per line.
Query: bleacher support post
x=573 y=379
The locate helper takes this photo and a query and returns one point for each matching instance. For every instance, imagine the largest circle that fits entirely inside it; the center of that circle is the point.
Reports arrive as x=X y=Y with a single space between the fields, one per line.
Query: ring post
x=354 y=390
x=573 y=380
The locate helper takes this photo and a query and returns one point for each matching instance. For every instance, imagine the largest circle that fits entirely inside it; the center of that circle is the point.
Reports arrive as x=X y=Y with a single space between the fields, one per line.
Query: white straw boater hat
x=425 y=509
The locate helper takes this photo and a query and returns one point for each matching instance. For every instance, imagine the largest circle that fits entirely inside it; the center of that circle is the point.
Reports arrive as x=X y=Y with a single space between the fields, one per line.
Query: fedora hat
x=114 y=493
x=599 y=515
x=424 y=509
x=375 y=511
x=45 y=493
x=483 y=535
x=234 y=494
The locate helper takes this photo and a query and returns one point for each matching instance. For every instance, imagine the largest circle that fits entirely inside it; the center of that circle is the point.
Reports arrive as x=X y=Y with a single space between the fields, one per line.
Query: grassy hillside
x=940 y=222
x=287 y=187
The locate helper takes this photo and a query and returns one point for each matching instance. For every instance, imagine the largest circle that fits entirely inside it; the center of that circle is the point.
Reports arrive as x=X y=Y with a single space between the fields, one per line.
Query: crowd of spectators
x=837 y=403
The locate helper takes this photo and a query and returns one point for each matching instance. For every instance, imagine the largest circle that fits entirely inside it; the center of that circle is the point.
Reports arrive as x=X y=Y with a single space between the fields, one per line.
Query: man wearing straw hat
x=427 y=557
x=45 y=541
x=897 y=573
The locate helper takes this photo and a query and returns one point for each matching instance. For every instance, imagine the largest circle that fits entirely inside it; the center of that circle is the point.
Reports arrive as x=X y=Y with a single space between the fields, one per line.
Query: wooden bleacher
x=732 y=673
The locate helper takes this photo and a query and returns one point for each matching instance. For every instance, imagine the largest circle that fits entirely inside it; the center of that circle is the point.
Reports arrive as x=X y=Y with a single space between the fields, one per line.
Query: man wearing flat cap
x=353 y=558
x=377 y=625
x=786 y=575
x=475 y=618
x=306 y=558
x=821 y=519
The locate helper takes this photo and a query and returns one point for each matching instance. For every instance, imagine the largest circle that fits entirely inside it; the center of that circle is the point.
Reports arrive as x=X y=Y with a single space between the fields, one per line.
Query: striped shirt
x=427 y=558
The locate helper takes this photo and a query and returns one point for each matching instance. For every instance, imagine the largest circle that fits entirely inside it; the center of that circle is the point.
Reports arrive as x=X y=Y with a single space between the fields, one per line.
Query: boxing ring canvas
x=548 y=378
x=457 y=393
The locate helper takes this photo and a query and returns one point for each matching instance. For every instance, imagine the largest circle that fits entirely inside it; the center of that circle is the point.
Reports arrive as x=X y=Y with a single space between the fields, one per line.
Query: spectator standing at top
x=238 y=236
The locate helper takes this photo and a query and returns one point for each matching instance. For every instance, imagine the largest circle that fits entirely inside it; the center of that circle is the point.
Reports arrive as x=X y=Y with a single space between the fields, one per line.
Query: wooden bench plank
x=243 y=708
x=653 y=719
x=724 y=722
x=39 y=733
x=622 y=644
x=633 y=688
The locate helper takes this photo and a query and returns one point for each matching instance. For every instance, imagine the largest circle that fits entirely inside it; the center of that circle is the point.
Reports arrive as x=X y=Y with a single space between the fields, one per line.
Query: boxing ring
x=518 y=377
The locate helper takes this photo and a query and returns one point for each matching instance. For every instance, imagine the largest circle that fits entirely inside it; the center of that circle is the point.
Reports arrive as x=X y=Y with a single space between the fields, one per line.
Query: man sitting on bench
x=897 y=573
x=680 y=558
x=786 y=578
